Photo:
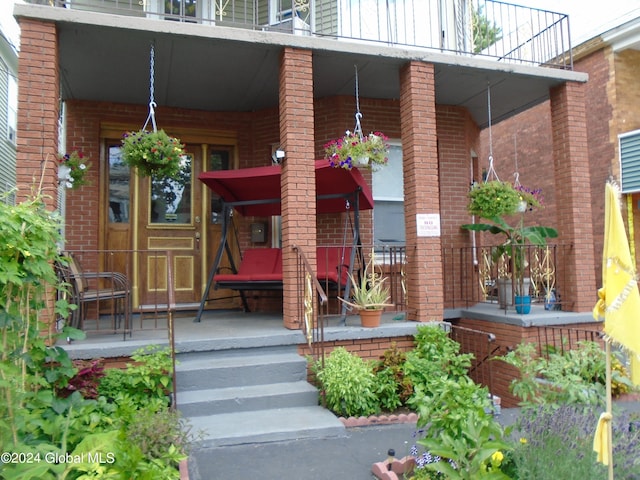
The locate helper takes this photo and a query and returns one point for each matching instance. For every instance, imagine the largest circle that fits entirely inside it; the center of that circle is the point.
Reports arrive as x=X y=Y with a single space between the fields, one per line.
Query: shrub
x=348 y=384
x=571 y=377
x=149 y=378
x=393 y=387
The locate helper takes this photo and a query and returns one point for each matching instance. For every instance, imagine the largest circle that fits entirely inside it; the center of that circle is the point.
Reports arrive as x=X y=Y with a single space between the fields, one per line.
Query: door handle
x=197 y=241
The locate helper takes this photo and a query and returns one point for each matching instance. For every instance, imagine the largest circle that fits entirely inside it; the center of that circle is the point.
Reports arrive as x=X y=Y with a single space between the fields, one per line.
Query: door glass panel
x=218 y=160
x=171 y=198
x=119 y=175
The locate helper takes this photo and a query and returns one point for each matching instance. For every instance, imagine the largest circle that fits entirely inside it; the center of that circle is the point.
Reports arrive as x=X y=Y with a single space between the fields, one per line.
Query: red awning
x=256 y=191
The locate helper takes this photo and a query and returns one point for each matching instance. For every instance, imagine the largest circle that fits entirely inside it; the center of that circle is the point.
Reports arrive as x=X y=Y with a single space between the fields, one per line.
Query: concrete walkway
x=348 y=457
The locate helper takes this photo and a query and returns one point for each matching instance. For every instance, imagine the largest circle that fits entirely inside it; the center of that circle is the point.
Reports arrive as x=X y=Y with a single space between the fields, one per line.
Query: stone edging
x=379 y=420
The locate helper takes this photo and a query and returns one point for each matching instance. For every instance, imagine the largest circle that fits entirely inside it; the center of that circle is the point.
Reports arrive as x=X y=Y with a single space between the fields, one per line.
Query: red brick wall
x=38 y=112
x=425 y=299
x=570 y=153
x=367 y=349
x=298 y=172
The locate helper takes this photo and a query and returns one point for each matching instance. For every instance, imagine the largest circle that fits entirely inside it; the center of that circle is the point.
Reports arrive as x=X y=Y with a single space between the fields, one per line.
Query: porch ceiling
x=106 y=58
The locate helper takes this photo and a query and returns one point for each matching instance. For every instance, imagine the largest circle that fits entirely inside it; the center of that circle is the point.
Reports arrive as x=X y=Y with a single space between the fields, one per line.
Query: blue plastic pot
x=523 y=304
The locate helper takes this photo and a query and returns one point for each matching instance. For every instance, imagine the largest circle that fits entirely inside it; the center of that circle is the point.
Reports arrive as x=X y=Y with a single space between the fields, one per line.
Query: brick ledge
x=379 y=420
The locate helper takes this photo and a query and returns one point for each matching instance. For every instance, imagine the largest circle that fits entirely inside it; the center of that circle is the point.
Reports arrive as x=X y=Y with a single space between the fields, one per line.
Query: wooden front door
x=170 y=219
x=180 y=216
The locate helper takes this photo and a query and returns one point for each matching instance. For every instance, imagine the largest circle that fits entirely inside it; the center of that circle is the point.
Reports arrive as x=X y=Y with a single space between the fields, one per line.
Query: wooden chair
x=101 y=289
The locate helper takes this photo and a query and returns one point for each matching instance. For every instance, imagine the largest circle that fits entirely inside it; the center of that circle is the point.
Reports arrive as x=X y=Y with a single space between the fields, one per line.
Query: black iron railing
x=478 y=275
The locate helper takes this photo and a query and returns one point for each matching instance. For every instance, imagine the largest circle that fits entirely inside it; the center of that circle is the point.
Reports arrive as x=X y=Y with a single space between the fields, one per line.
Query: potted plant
x=72 y=167
x=152 y=153
x=494 y=200
x=355 y=150
x=369 y=295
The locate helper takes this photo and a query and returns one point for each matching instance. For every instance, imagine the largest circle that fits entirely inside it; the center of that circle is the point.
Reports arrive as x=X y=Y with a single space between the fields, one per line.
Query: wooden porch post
x=573 y=195
x=298 y=172
x=425 y=300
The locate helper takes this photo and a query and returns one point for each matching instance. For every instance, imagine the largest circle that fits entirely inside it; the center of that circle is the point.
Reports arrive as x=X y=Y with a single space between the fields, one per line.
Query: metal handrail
x=309 y=309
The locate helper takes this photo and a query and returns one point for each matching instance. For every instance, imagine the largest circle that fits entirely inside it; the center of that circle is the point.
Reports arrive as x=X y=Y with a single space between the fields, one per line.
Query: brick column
x=425 y=300
x=573 y=196
x=38 y=109
x=298 y=172
x=37 y=128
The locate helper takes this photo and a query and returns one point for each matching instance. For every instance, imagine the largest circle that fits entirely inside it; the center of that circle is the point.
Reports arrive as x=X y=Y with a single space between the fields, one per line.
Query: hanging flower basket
x=72 y=167
x=371 y=151
x=152 y=153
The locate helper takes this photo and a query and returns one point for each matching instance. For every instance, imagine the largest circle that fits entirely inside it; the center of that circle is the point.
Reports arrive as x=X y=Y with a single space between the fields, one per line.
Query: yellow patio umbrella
x=619 y=305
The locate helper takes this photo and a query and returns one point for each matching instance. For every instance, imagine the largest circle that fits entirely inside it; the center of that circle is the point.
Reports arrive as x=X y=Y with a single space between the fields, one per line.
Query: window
x=388 y=197
x=630 y=161
x=119 y=175
x=12 y=109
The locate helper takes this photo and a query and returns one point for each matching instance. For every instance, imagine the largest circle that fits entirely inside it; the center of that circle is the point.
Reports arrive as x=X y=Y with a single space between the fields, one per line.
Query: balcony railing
x=485 y=28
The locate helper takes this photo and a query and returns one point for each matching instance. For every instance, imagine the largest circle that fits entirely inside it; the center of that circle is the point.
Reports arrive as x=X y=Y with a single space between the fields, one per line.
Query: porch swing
x=256 y=192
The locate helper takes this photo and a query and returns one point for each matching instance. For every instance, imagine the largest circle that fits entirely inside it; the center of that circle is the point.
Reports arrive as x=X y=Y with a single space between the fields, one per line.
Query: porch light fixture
x=277 y=156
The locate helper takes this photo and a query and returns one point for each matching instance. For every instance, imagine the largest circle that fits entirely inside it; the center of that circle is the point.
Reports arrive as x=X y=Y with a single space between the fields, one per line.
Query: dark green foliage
x=348 y=384
x=394 y=387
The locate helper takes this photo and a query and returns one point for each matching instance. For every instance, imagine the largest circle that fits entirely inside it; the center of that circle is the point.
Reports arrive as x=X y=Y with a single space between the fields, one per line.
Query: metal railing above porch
x=501 y=31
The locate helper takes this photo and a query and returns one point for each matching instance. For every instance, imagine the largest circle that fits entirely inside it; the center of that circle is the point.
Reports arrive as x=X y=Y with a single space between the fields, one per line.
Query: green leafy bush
x=393 y=387
x=148 y=379
x=574 y=376
x=348 y=384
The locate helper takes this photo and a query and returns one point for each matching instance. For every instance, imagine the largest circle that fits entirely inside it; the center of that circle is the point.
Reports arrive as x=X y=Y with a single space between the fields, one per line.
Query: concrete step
x=262 y=426
x=237 y=370
x=246 y=398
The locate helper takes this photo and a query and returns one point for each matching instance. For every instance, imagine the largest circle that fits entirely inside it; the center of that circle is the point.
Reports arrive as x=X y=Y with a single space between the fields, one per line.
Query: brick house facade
x=438 y=141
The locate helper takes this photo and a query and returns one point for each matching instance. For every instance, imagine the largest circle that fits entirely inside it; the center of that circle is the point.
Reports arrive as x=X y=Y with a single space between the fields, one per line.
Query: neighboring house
x=612 y=61
x=8 y=115
x=237 y=83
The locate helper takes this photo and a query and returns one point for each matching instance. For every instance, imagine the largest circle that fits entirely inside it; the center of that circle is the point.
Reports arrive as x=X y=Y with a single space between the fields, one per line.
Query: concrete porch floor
x=221 y=330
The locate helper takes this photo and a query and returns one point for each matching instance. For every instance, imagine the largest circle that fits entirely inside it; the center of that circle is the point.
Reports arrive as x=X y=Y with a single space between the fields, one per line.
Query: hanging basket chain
x=491 y=173
x=516 y=174
x=358 y=128
x=152 y=104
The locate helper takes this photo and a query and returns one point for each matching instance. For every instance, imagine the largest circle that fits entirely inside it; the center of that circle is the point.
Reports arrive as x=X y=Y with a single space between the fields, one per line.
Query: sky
x=587 y=18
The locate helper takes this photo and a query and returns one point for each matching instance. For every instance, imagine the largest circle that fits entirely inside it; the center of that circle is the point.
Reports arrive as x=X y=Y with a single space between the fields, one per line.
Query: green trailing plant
x=148 y=378
x=347 y=384
x=153 y=153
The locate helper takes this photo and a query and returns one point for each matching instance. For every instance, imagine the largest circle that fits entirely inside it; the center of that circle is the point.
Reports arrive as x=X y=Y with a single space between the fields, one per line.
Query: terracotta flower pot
x=370 y=318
